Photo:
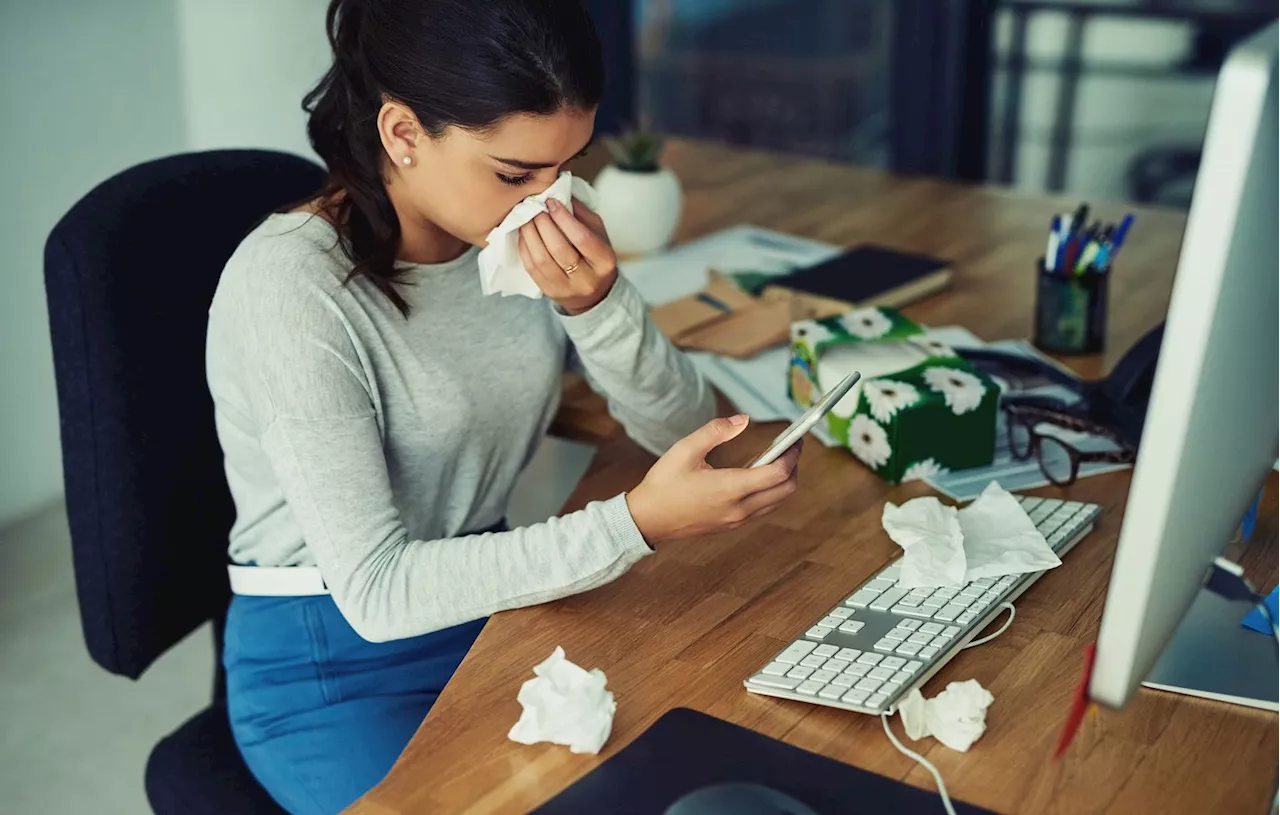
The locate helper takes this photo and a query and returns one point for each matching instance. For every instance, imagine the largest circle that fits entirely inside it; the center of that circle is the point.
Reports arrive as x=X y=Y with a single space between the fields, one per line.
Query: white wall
x=246 y=65
x=86 y=89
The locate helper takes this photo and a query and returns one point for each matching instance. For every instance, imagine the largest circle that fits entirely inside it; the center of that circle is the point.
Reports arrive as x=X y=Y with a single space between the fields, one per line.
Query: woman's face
x=465 y=183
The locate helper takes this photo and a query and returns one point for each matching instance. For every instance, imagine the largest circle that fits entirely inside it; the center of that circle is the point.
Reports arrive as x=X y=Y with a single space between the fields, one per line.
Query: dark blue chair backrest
x=130 y=272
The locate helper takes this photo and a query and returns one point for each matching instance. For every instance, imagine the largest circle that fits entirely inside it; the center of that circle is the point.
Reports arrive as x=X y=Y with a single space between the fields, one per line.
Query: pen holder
x=1071 y=311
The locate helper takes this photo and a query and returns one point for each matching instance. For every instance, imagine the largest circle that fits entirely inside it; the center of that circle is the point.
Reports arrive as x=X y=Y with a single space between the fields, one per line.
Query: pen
x=1078 y=221
x=1051 y=251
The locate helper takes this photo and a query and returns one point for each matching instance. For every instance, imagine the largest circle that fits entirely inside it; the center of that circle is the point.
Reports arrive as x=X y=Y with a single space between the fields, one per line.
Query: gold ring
x=573 y=268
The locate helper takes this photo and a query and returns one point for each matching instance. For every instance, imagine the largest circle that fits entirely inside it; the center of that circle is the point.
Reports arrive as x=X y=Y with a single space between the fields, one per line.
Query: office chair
x=130 y=272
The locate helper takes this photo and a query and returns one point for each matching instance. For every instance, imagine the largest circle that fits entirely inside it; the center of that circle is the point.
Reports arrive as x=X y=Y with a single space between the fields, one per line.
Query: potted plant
x=639 y=200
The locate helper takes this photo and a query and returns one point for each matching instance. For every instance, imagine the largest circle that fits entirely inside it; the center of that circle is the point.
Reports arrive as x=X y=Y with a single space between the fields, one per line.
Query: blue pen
x=1121 y=231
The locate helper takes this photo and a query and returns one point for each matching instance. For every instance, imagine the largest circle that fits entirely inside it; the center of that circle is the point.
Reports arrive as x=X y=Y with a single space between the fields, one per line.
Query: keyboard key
x=799 y=673
x=855 y=697
x=817 y=632
x=857 y=669
x=893 y=662
x=780 y=682
x=836 y=665
x=909 y=625
x=920 y=638
x=910 y=601
x=851 y=626
x=888 y=600
x=842 y=612
x=966 y=618
x=949 y=613
x=913 y=666
x=870 y=658
x=932 y=628
x=830 y=622
x=909 y=649
x=898 y=634
x=933 y=602
x=926 y=653
x=990 y=597
x=876 y=701
x=946 y=592
x=886 y=645
x=923 y=612
x=921 y=591
x=870 y=685
x=832 y=692
x=881 y=673
x=940 y=642
x=848 y=654
x=902 y=676
x=950 y=631
x=879 y=584
x=963 y=601
x=796 y=651
x=810 y=687
x=844 y=681
x=985 y=582
x=812 y=661
x=776 y=669
x=823 y=676
x=890 y=687
x=825 y=651
x=1007 y=581
x=971 y=591
x=861 y=598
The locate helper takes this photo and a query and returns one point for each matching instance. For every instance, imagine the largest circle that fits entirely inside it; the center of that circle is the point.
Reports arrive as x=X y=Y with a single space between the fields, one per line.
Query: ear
x=399 y=130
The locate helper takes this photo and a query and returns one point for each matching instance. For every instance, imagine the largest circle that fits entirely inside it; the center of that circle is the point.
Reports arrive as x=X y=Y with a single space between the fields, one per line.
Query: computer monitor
x=1211 y=429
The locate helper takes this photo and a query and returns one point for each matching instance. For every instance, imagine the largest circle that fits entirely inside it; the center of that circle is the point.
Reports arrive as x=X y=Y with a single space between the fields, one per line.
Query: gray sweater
x=366 y=443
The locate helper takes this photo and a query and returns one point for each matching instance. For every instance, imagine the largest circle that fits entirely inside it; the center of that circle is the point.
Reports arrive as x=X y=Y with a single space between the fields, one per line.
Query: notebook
x=685 y=754
x=870 y=275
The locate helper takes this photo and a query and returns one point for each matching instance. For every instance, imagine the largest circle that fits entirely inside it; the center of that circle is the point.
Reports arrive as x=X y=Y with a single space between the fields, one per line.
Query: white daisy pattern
x=869 y=442
x=885 y=397
x=962 y=390
x=921 y=470
x=932 y=347
x=813 y=333
x=866 y=323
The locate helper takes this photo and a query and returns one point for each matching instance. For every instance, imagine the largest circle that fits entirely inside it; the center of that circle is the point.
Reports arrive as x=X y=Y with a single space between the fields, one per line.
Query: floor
x=75 y=739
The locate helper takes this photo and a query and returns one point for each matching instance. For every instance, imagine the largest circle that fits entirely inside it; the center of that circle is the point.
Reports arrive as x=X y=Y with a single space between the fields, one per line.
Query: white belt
x=276 y=581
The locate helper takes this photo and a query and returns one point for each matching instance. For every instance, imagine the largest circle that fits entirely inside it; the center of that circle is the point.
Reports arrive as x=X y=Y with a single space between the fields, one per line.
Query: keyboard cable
x=921 y=760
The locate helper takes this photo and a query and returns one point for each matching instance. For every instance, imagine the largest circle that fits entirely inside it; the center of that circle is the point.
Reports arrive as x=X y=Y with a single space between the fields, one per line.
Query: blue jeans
x=319 y=713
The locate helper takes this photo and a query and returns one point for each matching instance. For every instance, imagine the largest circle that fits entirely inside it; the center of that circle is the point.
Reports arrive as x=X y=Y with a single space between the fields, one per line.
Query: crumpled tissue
x=564 y=704
x=991 y=537
x=501 y=269
x=956 y=717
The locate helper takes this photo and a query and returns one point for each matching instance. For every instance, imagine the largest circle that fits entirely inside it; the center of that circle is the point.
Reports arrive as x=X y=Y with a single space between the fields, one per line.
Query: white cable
x=1003 y=628
x=923 y=762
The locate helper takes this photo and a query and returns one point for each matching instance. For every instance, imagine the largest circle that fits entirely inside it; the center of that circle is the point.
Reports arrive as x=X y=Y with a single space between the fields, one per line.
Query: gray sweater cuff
x=623 y=530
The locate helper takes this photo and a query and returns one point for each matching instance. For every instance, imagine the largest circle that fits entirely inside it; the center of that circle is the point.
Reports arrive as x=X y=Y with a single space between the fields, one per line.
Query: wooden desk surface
x=686 y=625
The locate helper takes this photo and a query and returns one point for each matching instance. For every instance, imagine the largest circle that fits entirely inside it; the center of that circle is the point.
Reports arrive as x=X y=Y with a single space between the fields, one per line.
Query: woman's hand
x=683 y=496
x=569 y=256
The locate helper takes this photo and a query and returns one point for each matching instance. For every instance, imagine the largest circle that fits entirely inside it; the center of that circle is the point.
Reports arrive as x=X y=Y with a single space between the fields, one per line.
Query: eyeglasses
x=1059 y=460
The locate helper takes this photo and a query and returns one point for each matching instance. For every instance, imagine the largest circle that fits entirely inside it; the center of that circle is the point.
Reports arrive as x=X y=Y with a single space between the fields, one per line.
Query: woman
x=375 y=409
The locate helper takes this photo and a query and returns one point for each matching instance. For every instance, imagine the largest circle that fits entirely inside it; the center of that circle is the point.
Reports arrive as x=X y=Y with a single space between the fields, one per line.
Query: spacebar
x=780 y=682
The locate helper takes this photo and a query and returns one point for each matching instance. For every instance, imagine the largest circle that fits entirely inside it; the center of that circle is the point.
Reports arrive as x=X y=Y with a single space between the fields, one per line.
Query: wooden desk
x=685 y=626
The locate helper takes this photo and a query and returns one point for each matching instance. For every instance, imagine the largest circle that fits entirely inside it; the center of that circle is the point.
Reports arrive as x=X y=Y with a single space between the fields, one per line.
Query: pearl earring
x=407 y=160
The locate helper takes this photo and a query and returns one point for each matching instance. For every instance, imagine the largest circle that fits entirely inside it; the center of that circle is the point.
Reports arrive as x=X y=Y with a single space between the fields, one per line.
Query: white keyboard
x=884 y=640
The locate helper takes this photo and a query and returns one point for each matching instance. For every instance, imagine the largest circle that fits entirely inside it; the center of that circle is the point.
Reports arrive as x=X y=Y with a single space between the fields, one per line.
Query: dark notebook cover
x=686 y=751
x=867 y=275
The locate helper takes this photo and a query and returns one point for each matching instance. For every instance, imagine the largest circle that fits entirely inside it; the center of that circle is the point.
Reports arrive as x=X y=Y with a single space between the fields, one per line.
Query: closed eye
x=514 y=180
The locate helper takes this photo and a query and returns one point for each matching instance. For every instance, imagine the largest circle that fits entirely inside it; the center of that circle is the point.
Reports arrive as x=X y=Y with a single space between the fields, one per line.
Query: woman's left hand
x=569 y=256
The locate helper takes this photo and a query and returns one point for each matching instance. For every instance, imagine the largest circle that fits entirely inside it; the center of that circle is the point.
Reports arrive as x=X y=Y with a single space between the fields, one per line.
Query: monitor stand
x=1214 y=657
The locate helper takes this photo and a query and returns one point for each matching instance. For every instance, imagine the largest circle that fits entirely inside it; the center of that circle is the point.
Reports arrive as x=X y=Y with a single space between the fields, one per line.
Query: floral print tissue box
x=919 y=409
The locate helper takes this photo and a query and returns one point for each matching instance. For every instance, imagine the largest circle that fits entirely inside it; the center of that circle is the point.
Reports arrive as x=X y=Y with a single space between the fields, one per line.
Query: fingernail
x=554 y=205
x=738 y=420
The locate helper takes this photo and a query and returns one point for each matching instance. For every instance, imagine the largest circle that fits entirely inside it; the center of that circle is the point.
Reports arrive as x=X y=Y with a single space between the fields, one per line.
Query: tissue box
x=918 y=410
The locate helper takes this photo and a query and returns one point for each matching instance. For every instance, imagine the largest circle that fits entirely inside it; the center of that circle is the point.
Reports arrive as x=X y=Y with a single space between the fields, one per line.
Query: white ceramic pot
x=640 y=210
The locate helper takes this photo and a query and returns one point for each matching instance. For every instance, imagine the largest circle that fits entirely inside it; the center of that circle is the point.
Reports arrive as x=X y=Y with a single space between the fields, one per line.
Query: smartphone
x=805 y=423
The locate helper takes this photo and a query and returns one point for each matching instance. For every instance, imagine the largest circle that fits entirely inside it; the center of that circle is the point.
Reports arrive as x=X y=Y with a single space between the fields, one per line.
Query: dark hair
x=467 y=63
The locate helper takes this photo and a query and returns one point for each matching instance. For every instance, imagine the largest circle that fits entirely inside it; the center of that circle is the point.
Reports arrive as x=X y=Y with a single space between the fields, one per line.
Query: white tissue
x=956 y=717
x=564 y=704
x=501 y=269
x=929 y=533
x=991 y=537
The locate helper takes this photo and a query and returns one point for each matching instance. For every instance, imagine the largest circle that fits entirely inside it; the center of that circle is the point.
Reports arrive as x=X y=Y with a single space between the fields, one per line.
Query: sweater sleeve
x=651 y=386
x=300 y=368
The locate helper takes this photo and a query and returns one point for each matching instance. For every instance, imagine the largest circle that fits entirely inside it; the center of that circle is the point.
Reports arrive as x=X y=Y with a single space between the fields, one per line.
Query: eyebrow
x=540 y=165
